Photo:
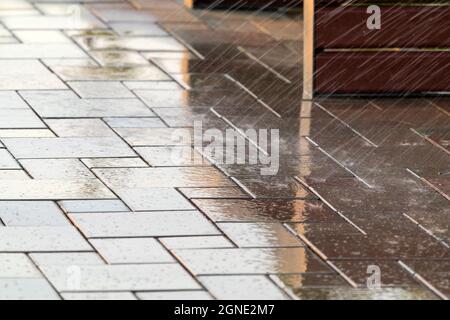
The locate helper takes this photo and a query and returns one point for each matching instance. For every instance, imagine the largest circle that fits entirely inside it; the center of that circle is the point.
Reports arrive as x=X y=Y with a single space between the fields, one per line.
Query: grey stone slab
x=132 y=250
x=79 y=62
x=32 y=213
x=259 y=235
x=130 y=43
x=38 y=239
x=65 y=104
x=102 y=296
x=15 y=4
x=53 y=190
x=41 y=36
x=153 y=199
x=137 y=29
x=13 y=175
x=163 y=177
x=51 y=23
x=214 y=193
x=243 y=288
x=39 y=51
x=250 y=261
x=66 y=258
x=41 y=148
x=71 y=128
x=57 y=169
x=17 y=265
x=114 y=163
x=152 y=85
x=122 y=278
x=151 y=224
x=203 y=242
x=77 y=73
x=7 y=161
x=119 y=58
x=156 y=136
x=26 y=133
x=27 y=75
x=174 y=295
x=135 y=122
x=11 y=100
x=19 y=118
x=26 y=289
x=100 y=89
x=179 y=156
x=76 y=206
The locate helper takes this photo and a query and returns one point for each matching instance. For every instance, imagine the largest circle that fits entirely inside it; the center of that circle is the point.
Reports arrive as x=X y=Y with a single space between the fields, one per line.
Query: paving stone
x=27 y=75
x=80 y=62
x=26 y=289
x=98 y=296
x=264 y=235
x=17 y=265
x=19 y=118
x=118 y=58
x=76 y=206
x=135 y=123
x=250 y=261
x=130 y=43
x=38 y=51
x=65 y=104
x=11 y=100
x=7 y=161
x=123 y=278
x=114 y=163
x=41 y=36
x=41 y=148
x=13 y=175
x=57 y=169
x=51 y=23
x=32 y=213
x=137 y=29
x=152 y=85
x=73 y=128
x=38 y=239
x=53 y=190
x=156 y=136
x=174 y=295
x=100 y=89
x=242 y=288
x=153 y=199
x=203 y=242
x=158 y=177
x=132 y=250
x=26 y=133
x=297 y=282
x=66 y=259
x=151 y=224
x=214 y=193
x=171 y=156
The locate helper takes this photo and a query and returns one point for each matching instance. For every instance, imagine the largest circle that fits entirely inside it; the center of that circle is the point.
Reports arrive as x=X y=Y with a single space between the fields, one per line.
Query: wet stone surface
x=99 y=167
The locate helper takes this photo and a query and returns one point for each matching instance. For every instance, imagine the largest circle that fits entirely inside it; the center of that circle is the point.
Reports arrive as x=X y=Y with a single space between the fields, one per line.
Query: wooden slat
x=385 y=72
x=243 y=4
x=345 y=27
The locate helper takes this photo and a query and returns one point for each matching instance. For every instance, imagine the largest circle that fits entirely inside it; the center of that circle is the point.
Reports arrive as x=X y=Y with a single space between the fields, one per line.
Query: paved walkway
x=98 y=200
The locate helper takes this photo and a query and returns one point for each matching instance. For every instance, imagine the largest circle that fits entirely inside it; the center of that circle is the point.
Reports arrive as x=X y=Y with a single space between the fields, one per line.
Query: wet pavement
x=99 y=201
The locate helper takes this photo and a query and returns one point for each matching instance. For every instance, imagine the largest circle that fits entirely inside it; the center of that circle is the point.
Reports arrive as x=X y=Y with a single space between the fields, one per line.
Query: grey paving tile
x=56 y=169
x=53 y=190
x=134 y=43
x=17 y=265
x=114 y=163
x=259 y=235
x=19 y=118
x=32 y=213
x=135 y=122
x=38 y=239
x=159 y=177
x=27 y=75
x=26 y=133
x=41 y=148
x=98 y=296
x=75 y=206
x=123 y=278
x=156 y=136
x=203 y=242
x=66 y=259
x=41 y=36
x=171 y=156
x=71 y=128
x=118 y=58
x=38 y=51
x=51 y=23
x=26 y=289
x=137 y=29
x=214 y=193
x=15 y=4
x=7 y=161
x=152 y=224
x=243 y=288
x=152 y=85
x=250 y=261
x=153 y=199
x=11 y=100
x=132 y=250
x=65 y=104
x=100 y=89
x=13 y=175
x=174 y=295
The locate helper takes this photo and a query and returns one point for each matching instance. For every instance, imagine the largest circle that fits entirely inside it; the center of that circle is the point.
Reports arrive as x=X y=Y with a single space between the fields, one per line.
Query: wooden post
x=308 y=49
